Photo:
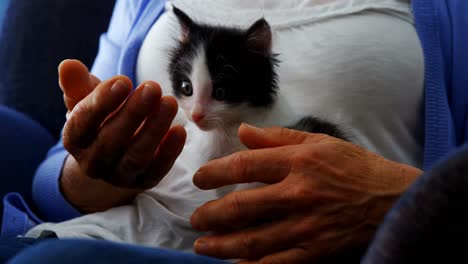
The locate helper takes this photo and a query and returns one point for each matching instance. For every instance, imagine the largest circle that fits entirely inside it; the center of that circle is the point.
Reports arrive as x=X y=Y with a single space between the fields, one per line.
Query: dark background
x=35 y=36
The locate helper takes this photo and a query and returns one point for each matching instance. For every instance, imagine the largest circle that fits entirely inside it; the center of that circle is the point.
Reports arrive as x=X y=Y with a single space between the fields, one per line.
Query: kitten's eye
x=186 y=88
x=220 y=94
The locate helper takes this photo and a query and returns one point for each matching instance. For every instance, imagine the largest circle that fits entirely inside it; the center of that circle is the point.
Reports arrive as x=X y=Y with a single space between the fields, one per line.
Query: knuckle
x=334 y=143
x=82 y=110
x=132 y=163
x=133 y=107
x=68 y=142
x=133 y=110
x=305 y=157
x=249 y=245
x=100 y=103
x=76 y=132
x=294 y=135
x=98 y=162
x=95 y=99
x=234 y=206
x=286 y=132
x=240 y=165
x=307 y=225
x=91 y=169
x=297 y=194
x=78 y=109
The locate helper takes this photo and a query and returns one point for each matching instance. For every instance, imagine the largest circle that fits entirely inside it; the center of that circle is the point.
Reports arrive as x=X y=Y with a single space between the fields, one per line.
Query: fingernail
x=198 y=180
x=194 y=221
x=148 y=94
x=119 y=87
x=253 y=128
x=201 y=245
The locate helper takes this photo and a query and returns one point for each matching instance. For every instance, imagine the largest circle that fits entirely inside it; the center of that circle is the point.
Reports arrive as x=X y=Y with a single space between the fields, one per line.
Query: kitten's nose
x=197 y=117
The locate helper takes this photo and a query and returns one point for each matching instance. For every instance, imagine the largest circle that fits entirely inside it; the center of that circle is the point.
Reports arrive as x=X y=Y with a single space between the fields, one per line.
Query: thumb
x=257 y=138
x=75 y=81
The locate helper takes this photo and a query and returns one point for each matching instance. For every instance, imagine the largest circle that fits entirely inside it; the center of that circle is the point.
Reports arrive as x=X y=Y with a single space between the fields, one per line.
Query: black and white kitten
x=225 y=76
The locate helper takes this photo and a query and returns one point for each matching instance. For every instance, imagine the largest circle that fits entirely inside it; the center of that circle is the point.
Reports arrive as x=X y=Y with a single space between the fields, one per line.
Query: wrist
x=396 y=179
x=90 y=195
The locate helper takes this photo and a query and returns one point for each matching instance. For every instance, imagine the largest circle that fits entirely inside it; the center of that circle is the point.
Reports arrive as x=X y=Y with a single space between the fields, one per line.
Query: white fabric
x=354 y=62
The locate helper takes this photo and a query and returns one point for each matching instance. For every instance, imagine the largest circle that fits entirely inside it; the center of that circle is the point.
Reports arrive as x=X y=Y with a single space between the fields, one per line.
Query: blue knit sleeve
x=47 y=195
x=112 y=42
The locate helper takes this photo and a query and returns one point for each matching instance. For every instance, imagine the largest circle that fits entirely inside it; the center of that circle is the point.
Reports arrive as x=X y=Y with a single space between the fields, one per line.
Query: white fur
x=200 y=102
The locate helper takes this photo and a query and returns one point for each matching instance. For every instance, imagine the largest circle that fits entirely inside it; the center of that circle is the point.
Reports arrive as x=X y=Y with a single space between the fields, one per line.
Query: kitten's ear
x=185 y=23
x=259 y=37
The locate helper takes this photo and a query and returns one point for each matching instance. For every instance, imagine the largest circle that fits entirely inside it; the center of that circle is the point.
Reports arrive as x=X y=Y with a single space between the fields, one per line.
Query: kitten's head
x=220 y=74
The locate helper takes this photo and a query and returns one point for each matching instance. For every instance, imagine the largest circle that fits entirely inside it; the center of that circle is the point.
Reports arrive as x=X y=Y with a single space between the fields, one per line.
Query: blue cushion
x=23 y=145
x=3 y=6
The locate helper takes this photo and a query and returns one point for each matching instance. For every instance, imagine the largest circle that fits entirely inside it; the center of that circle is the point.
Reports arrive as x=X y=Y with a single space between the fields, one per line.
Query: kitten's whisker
x=220 y=59
x=230 y=67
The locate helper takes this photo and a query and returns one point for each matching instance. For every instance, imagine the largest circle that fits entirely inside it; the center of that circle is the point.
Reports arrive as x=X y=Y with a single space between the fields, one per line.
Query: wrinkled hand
x=323 y=195
x=120 y=142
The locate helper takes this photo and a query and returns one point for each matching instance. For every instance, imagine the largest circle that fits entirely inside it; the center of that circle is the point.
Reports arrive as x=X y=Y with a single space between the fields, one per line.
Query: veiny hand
x=121 y=142
x=323 y=195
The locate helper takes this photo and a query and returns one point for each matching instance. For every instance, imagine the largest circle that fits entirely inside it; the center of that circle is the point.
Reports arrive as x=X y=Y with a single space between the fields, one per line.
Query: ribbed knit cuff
x=46 y=190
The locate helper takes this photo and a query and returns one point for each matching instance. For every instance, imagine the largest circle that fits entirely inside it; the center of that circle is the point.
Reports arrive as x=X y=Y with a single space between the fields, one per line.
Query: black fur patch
x=316 y=125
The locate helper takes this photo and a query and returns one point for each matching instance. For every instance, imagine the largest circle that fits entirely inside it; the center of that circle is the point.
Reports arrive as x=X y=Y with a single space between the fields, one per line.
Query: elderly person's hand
x=322 y=195
x=120 y=142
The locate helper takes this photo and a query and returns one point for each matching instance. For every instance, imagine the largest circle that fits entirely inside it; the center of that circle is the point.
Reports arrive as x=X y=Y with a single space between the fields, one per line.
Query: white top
x=357 y=63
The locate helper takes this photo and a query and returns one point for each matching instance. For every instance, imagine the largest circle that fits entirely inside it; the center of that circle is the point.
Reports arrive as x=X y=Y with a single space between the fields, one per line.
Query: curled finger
x=243 y=208
x=262 y=165
x=256 y=138
x=170 y=148
x=88 y=115
x=142 y=149
x=255 y=242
